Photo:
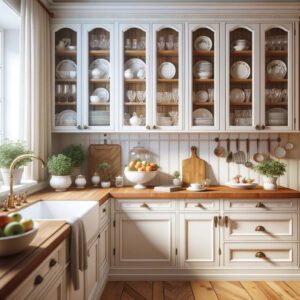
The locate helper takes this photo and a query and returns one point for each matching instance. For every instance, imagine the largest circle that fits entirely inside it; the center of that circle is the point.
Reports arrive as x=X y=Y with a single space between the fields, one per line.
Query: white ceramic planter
x=177 y=182
x=17 y=173
x=60 y=183
x=95 y=179
x=105 y=184
x=270 y=183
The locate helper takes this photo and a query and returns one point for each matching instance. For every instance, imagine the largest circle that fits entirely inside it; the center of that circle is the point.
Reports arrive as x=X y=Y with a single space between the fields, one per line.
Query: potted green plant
x=176 y=179
x=105 y=176
x=60 y=168
x=9 y=150
x=76 y=153
x=271 y=170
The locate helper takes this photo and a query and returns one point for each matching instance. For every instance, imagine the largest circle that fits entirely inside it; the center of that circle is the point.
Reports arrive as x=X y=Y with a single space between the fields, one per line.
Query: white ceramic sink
x=68 y=211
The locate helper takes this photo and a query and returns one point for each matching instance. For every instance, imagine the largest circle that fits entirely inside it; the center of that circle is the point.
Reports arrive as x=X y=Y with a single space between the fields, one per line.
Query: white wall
x=171 y=149
x=11 y=83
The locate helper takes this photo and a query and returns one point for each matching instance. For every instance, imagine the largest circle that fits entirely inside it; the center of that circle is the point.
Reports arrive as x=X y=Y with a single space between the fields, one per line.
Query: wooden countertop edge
x=8 y=283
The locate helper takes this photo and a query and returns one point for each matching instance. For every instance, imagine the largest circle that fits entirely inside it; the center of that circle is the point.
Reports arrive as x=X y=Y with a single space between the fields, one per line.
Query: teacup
x=197 y=186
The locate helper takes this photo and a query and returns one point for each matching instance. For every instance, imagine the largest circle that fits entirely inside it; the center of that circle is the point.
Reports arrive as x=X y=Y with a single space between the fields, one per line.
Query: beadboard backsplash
x=169 y=149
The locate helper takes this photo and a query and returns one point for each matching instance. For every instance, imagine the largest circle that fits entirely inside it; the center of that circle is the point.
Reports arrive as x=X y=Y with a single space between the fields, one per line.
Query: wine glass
x=66 y=92
x=58 y=91
x=73 y=93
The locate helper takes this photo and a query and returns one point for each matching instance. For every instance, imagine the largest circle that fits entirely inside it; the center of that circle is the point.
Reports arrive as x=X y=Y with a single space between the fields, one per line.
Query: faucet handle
x=18 y=199
x=24 y=197
x=5 y=205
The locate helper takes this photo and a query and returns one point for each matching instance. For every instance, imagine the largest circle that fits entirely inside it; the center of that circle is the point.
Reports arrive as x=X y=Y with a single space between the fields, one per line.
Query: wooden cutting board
x=193 y=168
x=110 y=153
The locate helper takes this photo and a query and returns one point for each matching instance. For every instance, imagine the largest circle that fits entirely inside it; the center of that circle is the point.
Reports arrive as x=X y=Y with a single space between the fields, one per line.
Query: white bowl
x=94 y=99
x=14 y=244
x=139 y=178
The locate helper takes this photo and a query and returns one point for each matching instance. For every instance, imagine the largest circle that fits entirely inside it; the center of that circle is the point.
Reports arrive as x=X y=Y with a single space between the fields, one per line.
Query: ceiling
x=9 y=19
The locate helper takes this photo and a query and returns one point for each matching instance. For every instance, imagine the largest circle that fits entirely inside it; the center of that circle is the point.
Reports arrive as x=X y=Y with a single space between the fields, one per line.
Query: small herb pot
x=270 y=183
x=60 y=183
x=177 y=182
x=105 y=184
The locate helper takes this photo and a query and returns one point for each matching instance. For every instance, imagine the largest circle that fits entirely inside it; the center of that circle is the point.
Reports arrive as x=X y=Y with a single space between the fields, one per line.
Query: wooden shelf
x=99 y=80
x=66 y=53
x=277 y=80
x=276 y=52
x=100 y=104
x=241 y=53
x=135 y=80
x=167 y=52
x=276 y=104
x=135 y=53
x=99 y=53
x=241 y=80
x=65 y=103
x=167 y=104
x=65 y=80
x=203 y=53
x=173 y=80
x=199 y=80
x=248 y=104
x=203 y=103
x=135 y=103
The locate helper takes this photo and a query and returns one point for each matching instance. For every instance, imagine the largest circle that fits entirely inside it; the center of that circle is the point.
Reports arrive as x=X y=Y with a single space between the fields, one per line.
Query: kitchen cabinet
x=56 y=290
x=199 y=240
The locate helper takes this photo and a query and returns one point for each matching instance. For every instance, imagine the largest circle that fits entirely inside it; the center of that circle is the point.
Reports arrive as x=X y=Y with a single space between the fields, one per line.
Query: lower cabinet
x=199 y=240
x=57 y=289
x=145 y=240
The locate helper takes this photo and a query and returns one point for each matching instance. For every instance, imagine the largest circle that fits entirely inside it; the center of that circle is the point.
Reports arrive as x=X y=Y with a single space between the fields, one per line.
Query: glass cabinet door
x=67 y=74
x=277 y=73
x=134 y=77
x=204 y=77
x=98 y=69
x=168 y=69
x=242 y=77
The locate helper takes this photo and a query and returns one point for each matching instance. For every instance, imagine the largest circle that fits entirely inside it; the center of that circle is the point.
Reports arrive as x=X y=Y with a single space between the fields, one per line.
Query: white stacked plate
x=164 y=121
x=277 y=116
x=203 y=117
x=99 y=117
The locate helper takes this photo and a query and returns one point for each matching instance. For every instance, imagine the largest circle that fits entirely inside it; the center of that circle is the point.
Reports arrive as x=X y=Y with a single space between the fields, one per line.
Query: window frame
x=1 y=85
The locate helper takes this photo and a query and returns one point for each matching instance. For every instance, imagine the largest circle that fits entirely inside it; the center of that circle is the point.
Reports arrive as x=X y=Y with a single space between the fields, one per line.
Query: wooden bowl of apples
x=16 y=233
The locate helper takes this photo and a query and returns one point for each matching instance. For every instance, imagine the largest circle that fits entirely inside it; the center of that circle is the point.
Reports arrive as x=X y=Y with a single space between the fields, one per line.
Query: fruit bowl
x=139 y=178
x=16 y=243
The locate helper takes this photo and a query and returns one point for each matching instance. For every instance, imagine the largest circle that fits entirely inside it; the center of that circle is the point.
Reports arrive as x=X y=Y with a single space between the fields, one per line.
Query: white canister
x=119 y=181
x=80 y=182
x=95 y=179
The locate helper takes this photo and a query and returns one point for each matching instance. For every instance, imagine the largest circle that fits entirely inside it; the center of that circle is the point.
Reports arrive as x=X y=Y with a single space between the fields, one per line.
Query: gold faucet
x=11 y=197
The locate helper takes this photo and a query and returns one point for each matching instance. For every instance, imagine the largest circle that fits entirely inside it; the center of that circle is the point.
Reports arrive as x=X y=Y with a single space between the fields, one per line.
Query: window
x=1 y=87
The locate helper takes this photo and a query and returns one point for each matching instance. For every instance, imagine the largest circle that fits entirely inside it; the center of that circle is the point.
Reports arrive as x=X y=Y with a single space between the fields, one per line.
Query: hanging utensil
x=229 y=157
x=240 y=155
x=219 y=150
x=279 y=152
x=269 y=149
x=248 y=163
x=259 y=156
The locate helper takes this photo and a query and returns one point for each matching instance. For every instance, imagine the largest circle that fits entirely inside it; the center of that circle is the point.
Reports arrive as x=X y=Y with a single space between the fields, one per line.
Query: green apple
x=27 y=224
x=13 y=228
x=1 y=232
x=15 y=216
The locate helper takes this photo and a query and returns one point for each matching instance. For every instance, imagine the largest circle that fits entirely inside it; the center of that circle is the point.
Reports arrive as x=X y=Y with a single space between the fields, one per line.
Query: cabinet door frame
x=192 y=27
x=85 y=75
x=288 y=27
x=145 y=263
x=179 y=27
x=198 y=263
x=255 y=75
x=121 y=30
x=77 y=29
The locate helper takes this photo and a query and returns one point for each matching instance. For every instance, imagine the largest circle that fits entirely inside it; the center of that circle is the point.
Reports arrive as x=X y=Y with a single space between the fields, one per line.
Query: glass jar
x=139 y=152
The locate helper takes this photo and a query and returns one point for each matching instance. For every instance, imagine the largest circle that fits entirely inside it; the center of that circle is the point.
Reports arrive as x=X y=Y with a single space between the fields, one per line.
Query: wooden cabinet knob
x=257 y=127
x=226 y=221
x=260 y=254
x=104 y=210
x=262 y=127
x=154 y=127
x=85 y=127
x=79 y=127
x=260 y=205
x=148 y=127
x=199 y=205
x=260 y=228
x=144 y=205
x=215 y=221
x=38 y=280
x=52 y=263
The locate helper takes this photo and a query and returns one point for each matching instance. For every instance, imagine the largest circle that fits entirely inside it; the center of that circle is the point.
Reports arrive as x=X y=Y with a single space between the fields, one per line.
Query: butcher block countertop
x=14 y=269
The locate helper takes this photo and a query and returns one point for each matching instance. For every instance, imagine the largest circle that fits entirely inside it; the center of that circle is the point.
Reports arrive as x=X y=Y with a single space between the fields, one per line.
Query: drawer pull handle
x=226 y=221
x=104 y=210
x=260 y=228
x=260 y=254
x=260 y=205
x=199 y=205
x=52 y=263
x=216 y=221
x=144 y=205
x=38 y=280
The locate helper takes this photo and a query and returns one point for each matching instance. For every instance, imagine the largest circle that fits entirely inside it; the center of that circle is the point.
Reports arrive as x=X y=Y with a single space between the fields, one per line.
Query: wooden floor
x=202 y=290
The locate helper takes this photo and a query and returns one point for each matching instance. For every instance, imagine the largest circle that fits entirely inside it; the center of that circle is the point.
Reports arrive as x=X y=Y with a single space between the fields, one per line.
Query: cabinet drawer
x=200 y=205
x=40 y=277
x=255 y=255
x=261 y=227
x=261 y=205
x=103 y=213
x=145 y=205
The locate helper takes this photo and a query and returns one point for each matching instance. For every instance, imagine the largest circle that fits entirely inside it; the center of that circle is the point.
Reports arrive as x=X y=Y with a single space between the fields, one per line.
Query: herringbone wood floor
x=202 y=290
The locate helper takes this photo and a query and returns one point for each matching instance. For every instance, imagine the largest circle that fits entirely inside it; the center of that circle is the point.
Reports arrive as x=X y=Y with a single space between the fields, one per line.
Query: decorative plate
x=135 y=64
x=103 y=65
x=202 y=66
x=68 y=118
x=166 y=70
x=203 y=43
x=243 y=186
x=202 y=96
x=66 y=65
x=202 y=113
x=102 y=93
x=237 y=95
x=240 y=70
x=276 y=69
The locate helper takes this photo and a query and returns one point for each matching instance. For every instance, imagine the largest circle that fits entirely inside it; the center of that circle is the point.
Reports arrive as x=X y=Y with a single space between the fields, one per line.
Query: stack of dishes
x=67 y=117
x=203 y=117
x=66 y=69
x=99 y=117
x=203 y=69
x=277 y=116
x=164 y=120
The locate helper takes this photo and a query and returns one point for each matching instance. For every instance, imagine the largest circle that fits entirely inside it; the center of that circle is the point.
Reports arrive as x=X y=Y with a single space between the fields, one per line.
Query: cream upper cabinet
x=134 y=77
x=66 y=70
x=98 y=94
x=277 y=77
x=242 y=77
x=168 y=77
x=203 y=77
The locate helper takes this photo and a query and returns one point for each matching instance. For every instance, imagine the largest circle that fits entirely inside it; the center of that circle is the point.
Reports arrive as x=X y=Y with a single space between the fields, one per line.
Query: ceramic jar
x=105 y=184
x=135 y=120
x=177 y=182
x=270 y=183
x=119 y=181
x=80 y=181
x=95 y=179
x=60 y=183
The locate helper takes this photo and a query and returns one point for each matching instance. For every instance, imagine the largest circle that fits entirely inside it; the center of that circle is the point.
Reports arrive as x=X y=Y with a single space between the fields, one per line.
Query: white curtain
x=35 y=83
